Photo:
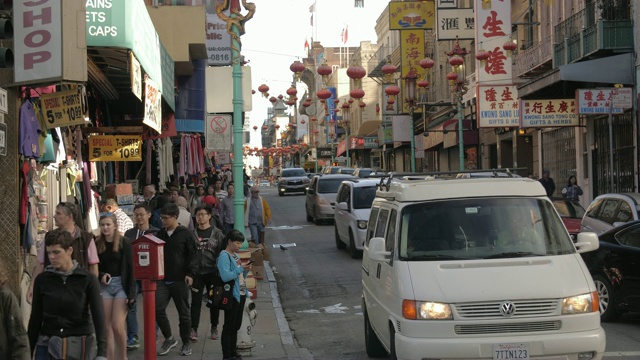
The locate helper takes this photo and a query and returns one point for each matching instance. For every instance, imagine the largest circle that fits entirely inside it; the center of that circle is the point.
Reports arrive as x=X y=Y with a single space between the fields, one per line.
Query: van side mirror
x=343 y=206
x=587 y=241
x=377 y=250
x=310 y=191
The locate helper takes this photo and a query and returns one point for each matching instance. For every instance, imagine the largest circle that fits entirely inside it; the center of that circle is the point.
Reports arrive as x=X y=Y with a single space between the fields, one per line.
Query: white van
x=477 y=268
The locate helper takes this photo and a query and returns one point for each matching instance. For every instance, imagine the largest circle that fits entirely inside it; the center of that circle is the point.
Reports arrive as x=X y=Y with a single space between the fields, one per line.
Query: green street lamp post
x=459 y=84
x=410 y=98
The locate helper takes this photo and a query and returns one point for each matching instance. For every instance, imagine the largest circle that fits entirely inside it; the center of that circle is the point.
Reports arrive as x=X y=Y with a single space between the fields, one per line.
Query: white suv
x=353 y=205
x=476 y=268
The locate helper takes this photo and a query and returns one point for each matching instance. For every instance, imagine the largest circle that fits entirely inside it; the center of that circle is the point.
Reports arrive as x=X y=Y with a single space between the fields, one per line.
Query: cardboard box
x=258 y=272
x=256 y=256
x=124 y=189
x=265 y=252
x=126 y=199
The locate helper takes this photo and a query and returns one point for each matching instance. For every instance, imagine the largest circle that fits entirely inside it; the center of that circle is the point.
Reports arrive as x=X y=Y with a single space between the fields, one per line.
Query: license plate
x=517 y=351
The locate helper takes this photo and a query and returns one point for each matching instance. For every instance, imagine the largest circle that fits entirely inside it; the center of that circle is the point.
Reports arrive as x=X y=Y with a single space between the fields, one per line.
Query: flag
x=345 y=34
x=306 y=44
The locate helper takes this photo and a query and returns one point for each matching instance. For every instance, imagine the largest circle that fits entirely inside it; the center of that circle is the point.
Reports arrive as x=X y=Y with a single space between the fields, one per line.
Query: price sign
x=115 y=148
x=63 y=108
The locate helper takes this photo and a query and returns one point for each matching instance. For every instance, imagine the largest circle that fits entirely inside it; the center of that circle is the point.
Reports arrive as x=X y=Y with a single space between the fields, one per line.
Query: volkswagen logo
x=507 y=309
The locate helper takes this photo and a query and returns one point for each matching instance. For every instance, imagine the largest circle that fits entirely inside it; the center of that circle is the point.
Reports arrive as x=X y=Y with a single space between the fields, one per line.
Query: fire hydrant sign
x=152 y=106
x=115 y=148
x=63 y=108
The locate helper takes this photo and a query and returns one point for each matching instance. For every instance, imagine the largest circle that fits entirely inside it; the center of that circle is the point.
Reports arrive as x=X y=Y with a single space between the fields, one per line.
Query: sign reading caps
x=548 y=113
x=152 y=106
x=115 y=148
x=597 y=101
x=498 y=106
x=405 y=15
x=63 y=108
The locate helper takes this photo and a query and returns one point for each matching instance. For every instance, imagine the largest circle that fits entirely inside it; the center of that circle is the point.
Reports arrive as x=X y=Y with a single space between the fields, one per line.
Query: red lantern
x=292 y=91
x=456 y=61
x=273 y=99
x=357 y=93
x=264 y=90
x=253 y=91
x=389 y=69
x=392 y=90
x=350 y=101
x=290 y=102
x=509 y=46
x=356 y=72
x=302 y=121
x=323 y=94
x=423 y=83
x=452 y=77
x=427 y=63
x=362 y=105
x=277 y=126
x=255 y=127
x=345 y=106
x=297 y=68
x=306 y=103
x=314 y=119
x=482 y=56
x=255 y=148
x=324 y=70
x=316 y=131
x=264 y=127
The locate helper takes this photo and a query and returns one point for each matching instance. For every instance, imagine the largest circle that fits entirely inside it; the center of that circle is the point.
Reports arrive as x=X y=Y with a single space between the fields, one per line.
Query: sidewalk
x=271 y=331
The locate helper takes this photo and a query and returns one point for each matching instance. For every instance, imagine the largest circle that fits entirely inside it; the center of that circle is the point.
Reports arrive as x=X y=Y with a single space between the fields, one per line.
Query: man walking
x=257 y=214
x=547 y=182
x=227 y=211
x=124 y=221
x=180 y=267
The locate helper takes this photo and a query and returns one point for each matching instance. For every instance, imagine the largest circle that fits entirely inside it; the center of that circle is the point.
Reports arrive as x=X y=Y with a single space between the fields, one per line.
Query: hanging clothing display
x=29 y=131
x=191 y=156
x=165 y=161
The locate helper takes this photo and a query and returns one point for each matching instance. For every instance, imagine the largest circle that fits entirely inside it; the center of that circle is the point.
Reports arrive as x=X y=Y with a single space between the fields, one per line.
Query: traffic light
x=6 y=32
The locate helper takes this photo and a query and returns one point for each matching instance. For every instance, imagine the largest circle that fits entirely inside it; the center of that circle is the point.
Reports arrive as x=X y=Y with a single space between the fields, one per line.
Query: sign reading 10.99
x=115 y=148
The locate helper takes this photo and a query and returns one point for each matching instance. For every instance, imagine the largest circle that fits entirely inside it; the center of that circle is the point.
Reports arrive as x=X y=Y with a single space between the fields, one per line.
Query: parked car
x=346 y=170
x=321 y=197
x=571 y=213
x=615 y=271
x=265 y=183
x=353 y=201
x=363 y=172
x=610 y=210
x=292 y=180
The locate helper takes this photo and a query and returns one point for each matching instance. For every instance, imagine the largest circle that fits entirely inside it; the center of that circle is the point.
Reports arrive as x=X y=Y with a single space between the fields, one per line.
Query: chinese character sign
x=548 y=113
x=498 y=106
x=454 y=23
x=595 y=101
x=493 y=29
x=411 y=52
x=405 y=15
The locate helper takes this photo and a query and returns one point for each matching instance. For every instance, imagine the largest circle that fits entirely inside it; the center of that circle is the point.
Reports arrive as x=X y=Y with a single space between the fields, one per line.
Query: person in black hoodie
x=63 y=286
x=14 y=344
x=210 y=240
x=180 y=268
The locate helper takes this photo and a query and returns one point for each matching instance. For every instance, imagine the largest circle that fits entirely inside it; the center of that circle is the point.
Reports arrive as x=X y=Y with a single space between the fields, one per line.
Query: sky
x=275 y=38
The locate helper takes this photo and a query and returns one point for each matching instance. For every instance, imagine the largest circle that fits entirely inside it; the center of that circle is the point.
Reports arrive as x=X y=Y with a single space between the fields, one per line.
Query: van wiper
x=513 y=254
x=433 y=257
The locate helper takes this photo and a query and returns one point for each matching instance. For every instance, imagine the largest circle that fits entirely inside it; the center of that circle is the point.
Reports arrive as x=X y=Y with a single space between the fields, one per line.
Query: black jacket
x=14 y=344
x=134 y=233
x=208 y=252
x=67 y=307
x=179 y=253
x=126 y=268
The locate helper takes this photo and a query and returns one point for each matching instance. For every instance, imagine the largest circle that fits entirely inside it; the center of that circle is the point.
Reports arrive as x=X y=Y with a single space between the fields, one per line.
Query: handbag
x=221 y=294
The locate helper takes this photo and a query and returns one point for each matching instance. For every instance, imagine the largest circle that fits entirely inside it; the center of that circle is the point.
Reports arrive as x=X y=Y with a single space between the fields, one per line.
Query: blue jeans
x=255 y=230
x=132 y=319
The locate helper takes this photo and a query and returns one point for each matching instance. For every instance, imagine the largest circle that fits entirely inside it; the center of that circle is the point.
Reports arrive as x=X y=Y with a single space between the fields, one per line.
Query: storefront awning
x=368 y=128
x=619 y=70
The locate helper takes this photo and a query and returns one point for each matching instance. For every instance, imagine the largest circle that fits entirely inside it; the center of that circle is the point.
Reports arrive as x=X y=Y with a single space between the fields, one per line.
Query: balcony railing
x=592 y=30
x=530 y=59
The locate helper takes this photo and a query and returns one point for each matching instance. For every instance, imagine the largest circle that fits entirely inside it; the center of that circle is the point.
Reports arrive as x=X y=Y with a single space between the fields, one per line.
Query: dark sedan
x=571 y=213
x=615 y=268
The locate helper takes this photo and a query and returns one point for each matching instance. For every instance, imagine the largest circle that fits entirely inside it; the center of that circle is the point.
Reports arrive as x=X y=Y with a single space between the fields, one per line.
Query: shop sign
x=548 y=113
x=115 y=148
x=456 y=23
x=3 y=138
x=168 y=129
x=405 y=15
x=493 y=29
x=37 y=40
x=598 y=101
x=218 y=39
x=498 y=106
x=385 y=132
x=402 y=127
x=411 y=52
x=136 y=76
x=152 y=106
x=4 y=105
x=371 y=142
x=342 y=147
x=218 y=132
x=223 y=157
x=324 y=152
x=63 y=108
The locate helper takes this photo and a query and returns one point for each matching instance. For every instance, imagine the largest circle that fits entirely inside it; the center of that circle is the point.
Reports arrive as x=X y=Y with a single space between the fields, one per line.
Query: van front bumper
x=560 y=346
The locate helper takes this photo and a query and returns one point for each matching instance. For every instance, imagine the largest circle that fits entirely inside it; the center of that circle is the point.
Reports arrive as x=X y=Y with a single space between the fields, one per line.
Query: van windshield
x=293 y=173
x=480 y=229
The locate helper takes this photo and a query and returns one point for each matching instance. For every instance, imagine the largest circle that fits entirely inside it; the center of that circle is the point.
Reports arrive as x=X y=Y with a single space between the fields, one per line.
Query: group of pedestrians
x=571 y=191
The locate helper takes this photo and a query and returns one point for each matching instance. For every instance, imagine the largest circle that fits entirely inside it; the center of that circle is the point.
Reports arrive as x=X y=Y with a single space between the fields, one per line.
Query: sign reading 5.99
x=115 y=148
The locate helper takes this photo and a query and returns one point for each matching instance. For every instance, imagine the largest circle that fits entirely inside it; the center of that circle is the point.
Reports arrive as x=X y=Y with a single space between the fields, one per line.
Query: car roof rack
x=442 y=175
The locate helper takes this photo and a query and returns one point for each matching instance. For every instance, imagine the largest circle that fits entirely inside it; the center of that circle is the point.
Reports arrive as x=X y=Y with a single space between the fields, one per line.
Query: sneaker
x=186 y=350
x=133 y=344
x=214 y=333
x=193 y=336
x=167 y=345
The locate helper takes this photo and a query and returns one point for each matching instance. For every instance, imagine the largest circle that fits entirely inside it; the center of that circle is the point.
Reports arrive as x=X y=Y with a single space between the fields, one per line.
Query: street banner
x=115 y=148
x=411 y=52
x=217 y=132
x=498 y=106
x=63 y=108
x=598 y=101
x=136 y=76
x=493 y=29
x=455 y=23
x=548 y=113
x=152 y=106
x=405 y=15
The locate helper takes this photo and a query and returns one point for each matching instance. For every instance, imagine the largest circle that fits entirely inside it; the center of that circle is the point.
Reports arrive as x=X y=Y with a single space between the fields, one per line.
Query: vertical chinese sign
x=412 y=18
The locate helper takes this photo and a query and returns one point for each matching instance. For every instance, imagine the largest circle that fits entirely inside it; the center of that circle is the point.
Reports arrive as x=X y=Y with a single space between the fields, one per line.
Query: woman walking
x=14 y=344
x=116 y=279
x=63 y=285
x=231 y=268
x=572 y=191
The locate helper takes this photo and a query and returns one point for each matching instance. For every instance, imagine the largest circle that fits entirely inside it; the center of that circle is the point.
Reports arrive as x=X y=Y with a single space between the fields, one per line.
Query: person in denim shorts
x=116 y=280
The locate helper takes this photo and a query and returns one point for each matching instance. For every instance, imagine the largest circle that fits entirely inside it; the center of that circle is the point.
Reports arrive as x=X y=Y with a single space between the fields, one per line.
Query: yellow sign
x=409 y=15
x=411 y=52
x=63 y=108
x=115 y=148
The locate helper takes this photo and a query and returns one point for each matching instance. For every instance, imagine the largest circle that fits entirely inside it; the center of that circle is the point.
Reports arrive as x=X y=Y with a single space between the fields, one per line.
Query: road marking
x=621 y=353
x=331 y=309
x=286 y=227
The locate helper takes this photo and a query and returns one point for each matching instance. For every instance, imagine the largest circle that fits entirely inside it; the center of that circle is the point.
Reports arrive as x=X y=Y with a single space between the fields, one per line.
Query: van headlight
x=425 y=310
x=581 y=304
x=362 y=224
